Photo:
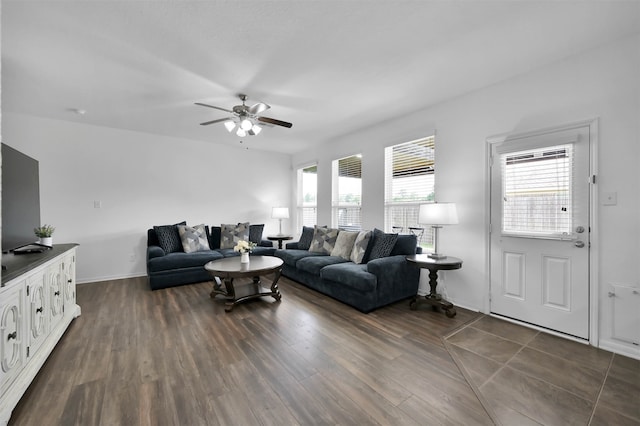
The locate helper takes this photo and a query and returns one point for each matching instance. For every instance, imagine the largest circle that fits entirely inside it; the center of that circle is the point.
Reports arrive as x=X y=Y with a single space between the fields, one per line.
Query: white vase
x=244 y=257
x=46 y=241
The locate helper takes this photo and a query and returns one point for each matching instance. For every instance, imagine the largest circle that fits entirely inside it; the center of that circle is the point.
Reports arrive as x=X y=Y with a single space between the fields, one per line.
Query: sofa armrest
x=395 y=275
x=154 y=251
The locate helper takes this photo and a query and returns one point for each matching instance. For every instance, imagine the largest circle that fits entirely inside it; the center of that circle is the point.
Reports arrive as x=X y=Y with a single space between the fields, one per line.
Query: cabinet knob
x=69 y=280
x=13 y=335
x=39 y=309
x=57 y=293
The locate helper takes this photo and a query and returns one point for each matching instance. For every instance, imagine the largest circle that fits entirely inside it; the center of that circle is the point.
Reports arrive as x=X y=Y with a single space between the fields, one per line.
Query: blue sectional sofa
x=174 y=267
x=365 y=286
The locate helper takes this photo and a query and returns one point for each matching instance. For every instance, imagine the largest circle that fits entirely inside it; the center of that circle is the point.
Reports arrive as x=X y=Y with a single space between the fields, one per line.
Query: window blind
x=409 y=182
x=307 y=195
x=537 y=192
x=347 y=194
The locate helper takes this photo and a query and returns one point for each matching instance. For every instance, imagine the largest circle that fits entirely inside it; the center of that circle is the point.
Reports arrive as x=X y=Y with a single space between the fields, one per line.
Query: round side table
x=434 y=265
x=279 y=239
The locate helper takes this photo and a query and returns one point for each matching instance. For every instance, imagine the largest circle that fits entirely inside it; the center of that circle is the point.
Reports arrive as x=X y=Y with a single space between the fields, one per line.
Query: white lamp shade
x=230 y=125
x=280 y=213
x=438 y=214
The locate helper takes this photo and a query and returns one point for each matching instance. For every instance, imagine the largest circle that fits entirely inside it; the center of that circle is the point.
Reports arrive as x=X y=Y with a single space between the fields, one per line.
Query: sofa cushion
x=182 y=260
x=313 y=264
x=406 y=244
x=344 y=244
x=305 y=238
x=351 y=275
x=255 y=233
x=231 y=234
x=169 y=238
x=324 y=239
x=382 y=244
x=360 y=246
x=193 y=238
x=291 y=257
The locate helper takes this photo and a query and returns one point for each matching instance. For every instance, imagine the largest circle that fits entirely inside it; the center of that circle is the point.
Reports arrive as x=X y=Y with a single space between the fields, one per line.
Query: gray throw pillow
x=324 y=239
x=169 y=238
x=344 y=244
x=193 y=238
x=382 y=244
x=360 y=246
x=231 y=234
x=305 y=238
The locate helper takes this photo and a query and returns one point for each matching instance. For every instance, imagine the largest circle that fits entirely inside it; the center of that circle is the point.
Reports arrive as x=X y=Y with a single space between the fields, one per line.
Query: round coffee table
x=229 y=268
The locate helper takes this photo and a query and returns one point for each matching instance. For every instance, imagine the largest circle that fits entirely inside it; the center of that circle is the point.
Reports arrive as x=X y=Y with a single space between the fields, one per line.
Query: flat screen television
x=20 y=198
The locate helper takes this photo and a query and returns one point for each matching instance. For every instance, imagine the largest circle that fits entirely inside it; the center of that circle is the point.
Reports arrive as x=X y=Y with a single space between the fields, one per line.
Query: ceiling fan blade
x=206 y=123
x=258 y=108
x=274 y=121
x=214 y=107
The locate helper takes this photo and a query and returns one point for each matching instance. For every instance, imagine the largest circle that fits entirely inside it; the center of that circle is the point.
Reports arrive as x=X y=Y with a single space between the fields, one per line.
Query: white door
x=540 y=229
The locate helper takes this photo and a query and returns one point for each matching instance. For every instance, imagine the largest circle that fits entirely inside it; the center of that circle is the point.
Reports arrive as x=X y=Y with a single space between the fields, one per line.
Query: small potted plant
x=45 y=233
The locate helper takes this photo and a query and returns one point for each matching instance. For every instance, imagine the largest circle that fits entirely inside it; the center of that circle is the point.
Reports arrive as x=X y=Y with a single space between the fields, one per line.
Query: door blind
x=537 y=192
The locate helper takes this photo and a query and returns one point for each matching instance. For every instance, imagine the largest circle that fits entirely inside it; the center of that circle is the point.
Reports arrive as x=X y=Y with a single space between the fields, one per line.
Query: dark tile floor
x=526 y=377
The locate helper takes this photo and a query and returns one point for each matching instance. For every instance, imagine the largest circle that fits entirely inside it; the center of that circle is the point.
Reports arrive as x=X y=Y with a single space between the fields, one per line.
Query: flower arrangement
x=244 y=246
x=44 y=231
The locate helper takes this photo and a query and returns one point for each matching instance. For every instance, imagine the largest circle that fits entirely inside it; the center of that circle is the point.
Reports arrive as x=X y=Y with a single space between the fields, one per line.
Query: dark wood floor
x=174 y=357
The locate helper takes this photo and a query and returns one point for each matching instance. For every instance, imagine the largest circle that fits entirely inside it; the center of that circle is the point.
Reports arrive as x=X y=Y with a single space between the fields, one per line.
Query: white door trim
x=594 y=284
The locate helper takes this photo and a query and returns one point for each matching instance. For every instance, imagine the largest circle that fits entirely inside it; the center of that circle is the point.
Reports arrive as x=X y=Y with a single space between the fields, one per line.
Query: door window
x=537 y=192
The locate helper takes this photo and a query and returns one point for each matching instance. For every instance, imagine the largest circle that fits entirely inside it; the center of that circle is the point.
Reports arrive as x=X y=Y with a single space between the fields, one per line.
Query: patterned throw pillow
x=360 y=246
x=193 y=238
x=382 y=244
x=231 y=234
x=305 y=239
x=344 y=244
x=169 y=238
x=324 y=239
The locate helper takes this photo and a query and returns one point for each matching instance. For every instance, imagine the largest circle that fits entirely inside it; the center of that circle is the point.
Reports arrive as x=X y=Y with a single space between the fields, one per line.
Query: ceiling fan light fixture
x=255 y=129
x=246 y=124
x=240 y=132
x=230 y=125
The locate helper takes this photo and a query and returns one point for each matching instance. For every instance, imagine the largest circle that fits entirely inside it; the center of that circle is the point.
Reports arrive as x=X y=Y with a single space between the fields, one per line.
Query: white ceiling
x=329 y=67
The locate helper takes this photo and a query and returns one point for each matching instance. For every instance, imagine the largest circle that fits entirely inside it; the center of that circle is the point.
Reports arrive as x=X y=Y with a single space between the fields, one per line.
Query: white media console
x=37 y=304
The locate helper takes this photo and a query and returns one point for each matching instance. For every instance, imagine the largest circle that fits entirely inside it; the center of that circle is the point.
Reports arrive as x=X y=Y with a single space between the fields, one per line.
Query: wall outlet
x=609 y=198
x=97 y=204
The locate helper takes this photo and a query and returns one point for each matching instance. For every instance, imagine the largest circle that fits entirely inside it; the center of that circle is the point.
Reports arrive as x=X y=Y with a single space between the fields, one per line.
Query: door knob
x=580 y=229
x=579 y=244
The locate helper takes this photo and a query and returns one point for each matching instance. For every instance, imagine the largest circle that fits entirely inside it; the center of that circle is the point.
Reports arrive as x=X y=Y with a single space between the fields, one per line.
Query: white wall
x=602 y=83
x=141 y=180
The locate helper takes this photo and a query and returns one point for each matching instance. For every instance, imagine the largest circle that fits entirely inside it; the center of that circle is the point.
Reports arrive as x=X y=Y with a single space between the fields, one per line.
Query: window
x=536 y=189
x=409 y=182
x=307 y=193
x=347 y=193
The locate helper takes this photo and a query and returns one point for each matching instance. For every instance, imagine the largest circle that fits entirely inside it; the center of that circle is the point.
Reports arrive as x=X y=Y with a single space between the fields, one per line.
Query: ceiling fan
x=246 y=120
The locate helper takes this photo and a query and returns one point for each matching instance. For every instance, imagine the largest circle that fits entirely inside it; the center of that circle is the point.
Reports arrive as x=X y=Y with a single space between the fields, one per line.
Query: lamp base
x=437 y=256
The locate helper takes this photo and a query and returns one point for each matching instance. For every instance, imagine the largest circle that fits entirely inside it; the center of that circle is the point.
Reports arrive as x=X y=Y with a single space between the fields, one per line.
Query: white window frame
x=401 y=212
x=307 y=211
x=340 y=208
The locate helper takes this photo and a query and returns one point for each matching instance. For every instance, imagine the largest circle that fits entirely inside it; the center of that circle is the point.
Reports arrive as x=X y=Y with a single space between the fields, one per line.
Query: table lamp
x=280 y=213
x=436 y=215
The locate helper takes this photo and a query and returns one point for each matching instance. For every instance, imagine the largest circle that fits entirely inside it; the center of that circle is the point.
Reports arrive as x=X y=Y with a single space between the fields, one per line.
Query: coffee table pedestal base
x=238 y=293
